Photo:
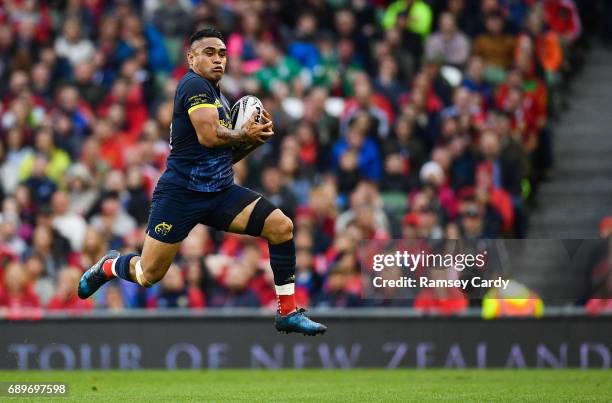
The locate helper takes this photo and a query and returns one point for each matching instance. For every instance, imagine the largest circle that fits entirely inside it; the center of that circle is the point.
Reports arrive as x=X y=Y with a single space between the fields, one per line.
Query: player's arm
x=238 y=153
x=199 y=100
x=205 y=120
x=211 y=134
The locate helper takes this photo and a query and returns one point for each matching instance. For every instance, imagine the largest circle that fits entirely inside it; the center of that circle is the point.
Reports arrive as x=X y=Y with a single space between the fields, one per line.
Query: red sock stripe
x=286 y=304
x=107 y=267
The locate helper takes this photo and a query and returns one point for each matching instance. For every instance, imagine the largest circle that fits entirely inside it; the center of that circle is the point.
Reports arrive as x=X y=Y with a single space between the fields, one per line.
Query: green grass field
x=327 y=385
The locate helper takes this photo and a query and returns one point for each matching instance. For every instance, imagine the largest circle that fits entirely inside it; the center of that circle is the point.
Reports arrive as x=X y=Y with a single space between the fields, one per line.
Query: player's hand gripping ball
x=248 y=113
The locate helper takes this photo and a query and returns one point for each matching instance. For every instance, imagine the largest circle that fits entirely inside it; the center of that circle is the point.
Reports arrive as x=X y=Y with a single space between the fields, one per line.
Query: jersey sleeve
x=198 y=94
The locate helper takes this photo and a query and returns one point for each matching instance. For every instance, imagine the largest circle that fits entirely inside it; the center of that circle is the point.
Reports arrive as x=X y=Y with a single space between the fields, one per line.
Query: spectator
x=113 y=220
x=43 y=286
x=434 y=179
x=66 y=298
x=347 y=29
x=114 y=299
x=24 y=206
x=405 y=46
x=36 y=180
x=86 y=83
x=72 y=45
x=137 y=36
x=515 y=301
x=364 y=200
x=69 y=102
x=367 y=103
x=562 y=17
x=174 y=294
x=411 y=150
x=17 y=299
x=308 y=280
x=605 y=227
x=302 y=47
x=138 y=202
x=414 y=15
x=110 y=148
x=491 y=194
x=495 y=47
x=171 y=19
x=442 y=300
x=49 y=248
x=340 y=288
x=41 y=82
x=16 y=152
x=478 y=219
x=387 y=83
x=356 y=157
x=9 y=225
x=276 y=67
x=448 y=43
x=474 y=81
x=70 y=225
x=80 y=187
x=94 y=246
x=57 y=160
x=236 y=278
x=242 y=44
x=318 y=118
x=277 y=193
x=547 y=44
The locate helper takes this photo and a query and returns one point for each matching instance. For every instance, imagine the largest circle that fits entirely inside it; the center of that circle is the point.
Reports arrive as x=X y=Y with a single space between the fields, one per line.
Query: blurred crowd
x=393 y=119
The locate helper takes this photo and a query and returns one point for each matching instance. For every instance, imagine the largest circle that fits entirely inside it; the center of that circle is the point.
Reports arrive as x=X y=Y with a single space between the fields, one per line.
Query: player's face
x=207 y=57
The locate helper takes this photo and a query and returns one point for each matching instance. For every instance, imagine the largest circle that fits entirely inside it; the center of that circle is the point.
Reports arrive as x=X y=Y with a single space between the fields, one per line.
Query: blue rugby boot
x=298 y=322
x=94 y=278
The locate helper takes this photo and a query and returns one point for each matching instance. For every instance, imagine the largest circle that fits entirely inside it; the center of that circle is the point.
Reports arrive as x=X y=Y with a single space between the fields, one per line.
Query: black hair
x=205 y=33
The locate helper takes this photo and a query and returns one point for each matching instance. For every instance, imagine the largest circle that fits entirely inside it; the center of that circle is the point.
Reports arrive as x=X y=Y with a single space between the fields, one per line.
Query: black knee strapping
x=263 y=208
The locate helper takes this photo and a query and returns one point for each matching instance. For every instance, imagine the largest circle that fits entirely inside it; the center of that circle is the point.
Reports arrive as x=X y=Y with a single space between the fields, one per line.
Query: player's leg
x=148 y=268
x=173 y=214
x=261 y=218
x=144 y=270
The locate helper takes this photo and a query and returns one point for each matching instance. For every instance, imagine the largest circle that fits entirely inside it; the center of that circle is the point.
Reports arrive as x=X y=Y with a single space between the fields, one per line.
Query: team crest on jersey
x=163 y=228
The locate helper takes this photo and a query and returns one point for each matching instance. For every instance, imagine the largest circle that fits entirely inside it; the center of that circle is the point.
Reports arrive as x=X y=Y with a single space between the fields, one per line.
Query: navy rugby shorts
x=176 y=210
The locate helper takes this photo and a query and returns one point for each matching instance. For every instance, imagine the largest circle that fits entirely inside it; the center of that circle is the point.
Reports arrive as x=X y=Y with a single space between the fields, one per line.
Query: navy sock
x=122 y=266
x=282 y=260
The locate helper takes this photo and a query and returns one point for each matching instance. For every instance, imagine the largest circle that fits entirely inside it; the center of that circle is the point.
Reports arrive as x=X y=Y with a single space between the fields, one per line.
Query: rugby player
x=198 y=187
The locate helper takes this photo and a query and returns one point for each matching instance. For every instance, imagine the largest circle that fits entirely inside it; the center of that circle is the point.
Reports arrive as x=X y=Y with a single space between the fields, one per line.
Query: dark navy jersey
x=190 y=164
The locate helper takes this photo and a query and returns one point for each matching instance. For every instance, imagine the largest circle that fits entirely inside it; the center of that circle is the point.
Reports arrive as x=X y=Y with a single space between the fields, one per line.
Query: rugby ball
x=244 y=108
